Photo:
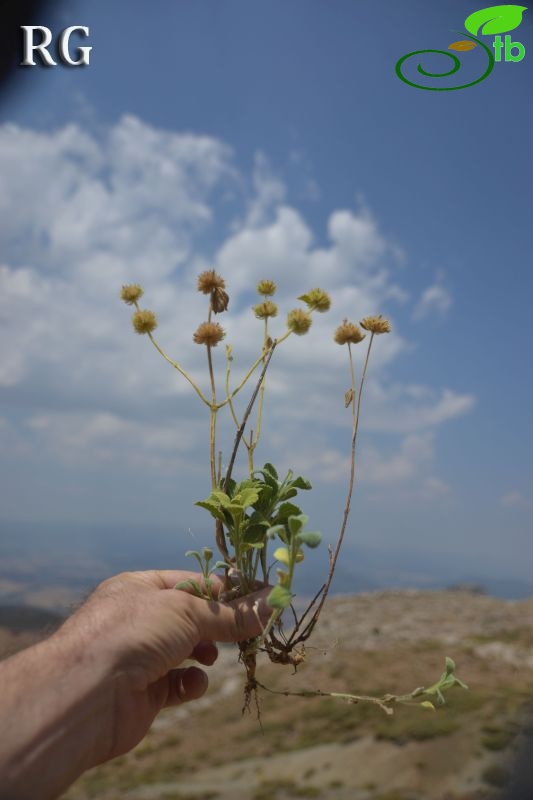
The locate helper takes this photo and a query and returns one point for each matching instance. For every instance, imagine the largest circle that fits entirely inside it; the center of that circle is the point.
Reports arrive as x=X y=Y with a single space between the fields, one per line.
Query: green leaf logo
x=495 y=19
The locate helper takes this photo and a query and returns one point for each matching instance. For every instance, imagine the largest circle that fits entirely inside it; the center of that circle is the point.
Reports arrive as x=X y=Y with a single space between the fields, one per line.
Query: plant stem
x=247 y=413
x=213 y=412
x=356 y=410
x=351 y=698
x=180 y=370
x=242 y=383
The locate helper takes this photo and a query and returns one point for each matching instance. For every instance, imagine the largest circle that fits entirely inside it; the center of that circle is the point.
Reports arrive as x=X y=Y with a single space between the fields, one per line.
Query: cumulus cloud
x=435 y=299
x=84 y=213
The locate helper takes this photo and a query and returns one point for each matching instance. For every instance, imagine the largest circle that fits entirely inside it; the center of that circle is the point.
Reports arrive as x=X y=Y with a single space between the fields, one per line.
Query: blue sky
x=272 y=136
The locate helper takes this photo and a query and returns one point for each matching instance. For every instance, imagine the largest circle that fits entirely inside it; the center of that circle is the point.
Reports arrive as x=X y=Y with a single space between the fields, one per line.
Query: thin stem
x=356 y=410
x=230 y=403
x=351 y=698
x=261 y=391
x=242 y=383
x=247 y=413
x=180 y=370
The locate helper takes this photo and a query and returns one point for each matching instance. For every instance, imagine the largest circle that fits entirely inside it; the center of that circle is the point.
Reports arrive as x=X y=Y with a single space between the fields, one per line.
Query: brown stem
x=247 y=413
x=333 y=559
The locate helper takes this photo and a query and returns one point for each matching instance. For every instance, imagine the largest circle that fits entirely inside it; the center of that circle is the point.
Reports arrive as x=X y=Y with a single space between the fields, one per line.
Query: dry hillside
x=321 y=748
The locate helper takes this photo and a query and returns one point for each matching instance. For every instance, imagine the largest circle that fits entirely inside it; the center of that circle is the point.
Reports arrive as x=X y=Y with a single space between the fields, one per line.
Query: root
x=248 y=656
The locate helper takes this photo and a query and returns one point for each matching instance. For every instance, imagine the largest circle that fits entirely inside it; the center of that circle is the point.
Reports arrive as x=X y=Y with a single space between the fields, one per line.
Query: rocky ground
x=323 y=748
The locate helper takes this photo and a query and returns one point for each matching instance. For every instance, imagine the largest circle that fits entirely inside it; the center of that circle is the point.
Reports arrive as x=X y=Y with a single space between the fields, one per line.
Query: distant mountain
x=54 y=565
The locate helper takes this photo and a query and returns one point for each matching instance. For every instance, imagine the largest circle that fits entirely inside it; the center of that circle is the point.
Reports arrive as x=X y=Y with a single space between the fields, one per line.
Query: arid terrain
x=323 y=748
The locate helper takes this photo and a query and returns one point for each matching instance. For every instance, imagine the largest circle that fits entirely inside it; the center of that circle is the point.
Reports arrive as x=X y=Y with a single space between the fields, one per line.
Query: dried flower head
x=348 y=332
x=210 y=280
x=376 y=324
x=266 y=288
x=219 y=300
x=265 y=310
x=209 y=333
x=131 y=293
x=144 y=321
x=317 y=300
x=298 y=321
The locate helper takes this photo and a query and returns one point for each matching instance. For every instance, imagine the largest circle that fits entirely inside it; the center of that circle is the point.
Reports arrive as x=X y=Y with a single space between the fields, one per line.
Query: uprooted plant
x=259 y=512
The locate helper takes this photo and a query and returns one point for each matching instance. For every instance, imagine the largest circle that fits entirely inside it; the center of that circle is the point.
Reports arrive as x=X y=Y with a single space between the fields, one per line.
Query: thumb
x=240 y=619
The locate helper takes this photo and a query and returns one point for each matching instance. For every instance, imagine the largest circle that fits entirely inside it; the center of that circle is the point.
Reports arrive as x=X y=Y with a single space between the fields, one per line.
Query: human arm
x=90 y=691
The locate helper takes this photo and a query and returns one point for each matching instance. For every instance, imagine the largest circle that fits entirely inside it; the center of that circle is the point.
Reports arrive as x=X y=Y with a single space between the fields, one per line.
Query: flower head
x=348 y=333
x=376 y=324
x=210 y=280
x=298 y=321
x=266 y=288
x=209 y=333
x=144 y=321
x=265 y=309
x=131 y=293
x=317 y=300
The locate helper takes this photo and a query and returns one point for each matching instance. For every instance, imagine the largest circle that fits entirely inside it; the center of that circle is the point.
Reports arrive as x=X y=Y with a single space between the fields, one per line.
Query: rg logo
x=30 y=48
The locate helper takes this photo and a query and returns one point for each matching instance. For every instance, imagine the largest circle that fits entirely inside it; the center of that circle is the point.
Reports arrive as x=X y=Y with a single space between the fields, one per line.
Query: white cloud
x=83 y=214
x=516 y=499
x=435 y=299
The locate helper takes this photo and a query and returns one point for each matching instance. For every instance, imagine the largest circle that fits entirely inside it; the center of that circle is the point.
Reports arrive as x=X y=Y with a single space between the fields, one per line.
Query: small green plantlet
x=259 y=525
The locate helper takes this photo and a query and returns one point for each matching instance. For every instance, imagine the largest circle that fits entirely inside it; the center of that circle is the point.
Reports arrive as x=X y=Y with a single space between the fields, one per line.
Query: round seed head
x=144 y=321
x=298 y=321
x=348 y=332
x=265 y=310
x=376 y=324
x=317 y=300
x=209 y=333
x=266 y=288
x=210 y=280
x=131 y=293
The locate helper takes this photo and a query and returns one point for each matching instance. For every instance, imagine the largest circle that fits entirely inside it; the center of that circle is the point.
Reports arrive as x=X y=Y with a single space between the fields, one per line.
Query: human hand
x=90 y=691
x=143 y=629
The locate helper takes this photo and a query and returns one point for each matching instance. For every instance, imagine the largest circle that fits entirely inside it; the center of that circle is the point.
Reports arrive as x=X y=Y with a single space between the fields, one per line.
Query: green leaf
x=190 y=584
x=271 y=469
x=494 y=19
x=248 y=497
x=297 y=522
x=220 y=497
x=428 y=704
x=220 y=565
x=310 y=538
x=301 y=483
x=285 y=511
x=229 y=487
x=235 y=509
x=195 y=554
x=213 y=509
x=268 y=478
x=279 y=597
x=254 y=534
x=275 y=530
x=254 y=545
x=288 y=493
